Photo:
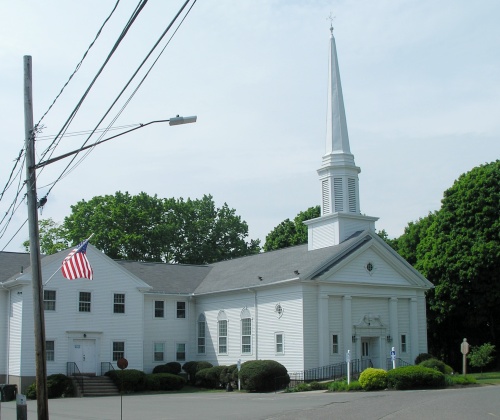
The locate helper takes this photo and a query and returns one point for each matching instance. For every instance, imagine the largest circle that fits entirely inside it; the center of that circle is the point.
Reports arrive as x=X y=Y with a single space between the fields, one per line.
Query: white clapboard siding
x=335 y=317
x=310 y=325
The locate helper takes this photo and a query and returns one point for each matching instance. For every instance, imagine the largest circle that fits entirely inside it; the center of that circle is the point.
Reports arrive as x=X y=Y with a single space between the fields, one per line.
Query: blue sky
x=421 y=84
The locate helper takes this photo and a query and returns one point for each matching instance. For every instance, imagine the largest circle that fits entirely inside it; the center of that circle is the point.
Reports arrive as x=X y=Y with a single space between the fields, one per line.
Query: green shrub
x=318 y=386
x=192 y=367
x=423 y=356
x=452 y=380
x=164 y=382
x=373 y=379
x=128 y=380
x=338 y=386
x=171 y=367
x=58 y=385
x=209 y=377
x=263 y=375
x=229 y=374
x=355 y=386
x=438 y=365
x=415 y=377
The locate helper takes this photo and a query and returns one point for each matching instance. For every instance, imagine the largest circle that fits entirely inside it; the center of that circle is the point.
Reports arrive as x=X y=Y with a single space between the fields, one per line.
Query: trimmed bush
x=415 y=377
x=338 y=386
x=192 y=367
x=263 y=375
x=171 y=367
x=58 y=385
x=164 y=382
x=355 y=386
x=128 y=380
x=229 y=374
x=438 y=365
x=209 y=377
x=372 y=379
x=423 y=356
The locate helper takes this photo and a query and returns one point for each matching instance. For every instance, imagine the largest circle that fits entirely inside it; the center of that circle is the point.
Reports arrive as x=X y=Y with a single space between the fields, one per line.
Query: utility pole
x=36 y=269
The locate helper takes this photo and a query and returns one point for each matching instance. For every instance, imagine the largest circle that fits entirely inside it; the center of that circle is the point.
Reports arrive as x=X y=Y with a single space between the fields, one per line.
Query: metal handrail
x=106 y=367
x=73 y=371
x=399 y=362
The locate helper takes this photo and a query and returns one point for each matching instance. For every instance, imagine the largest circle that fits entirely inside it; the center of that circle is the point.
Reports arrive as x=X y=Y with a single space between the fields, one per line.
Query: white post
x=239 y=380
x=348 y=360
x=393 y=357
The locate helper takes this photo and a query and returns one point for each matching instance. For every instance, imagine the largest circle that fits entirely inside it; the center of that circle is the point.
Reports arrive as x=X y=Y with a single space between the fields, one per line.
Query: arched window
x=246 y=332
x=201 y=333
x=222 y=332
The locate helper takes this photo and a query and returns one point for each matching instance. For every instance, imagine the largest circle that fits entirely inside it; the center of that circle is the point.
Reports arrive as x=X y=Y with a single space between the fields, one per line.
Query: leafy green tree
x=458 y=249
x=289 y=233
x=146 y=228
x=51 y=237
x=480 y=356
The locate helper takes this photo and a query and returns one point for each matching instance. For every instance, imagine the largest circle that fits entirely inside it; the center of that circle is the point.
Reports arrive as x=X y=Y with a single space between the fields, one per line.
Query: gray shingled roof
x=245 y=272
x=273 y=267
x=11 y=263
x=167 y=278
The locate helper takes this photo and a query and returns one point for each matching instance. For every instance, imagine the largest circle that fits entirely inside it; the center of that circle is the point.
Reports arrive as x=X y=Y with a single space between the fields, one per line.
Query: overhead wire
x=67 y=170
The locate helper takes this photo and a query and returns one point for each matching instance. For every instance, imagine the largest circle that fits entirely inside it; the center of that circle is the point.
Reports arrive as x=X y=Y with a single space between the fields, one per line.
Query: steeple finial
x=331 y=22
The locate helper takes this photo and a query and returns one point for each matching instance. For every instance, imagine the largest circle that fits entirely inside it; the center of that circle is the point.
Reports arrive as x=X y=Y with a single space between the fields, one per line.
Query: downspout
x=7 y=343
x=256 y=323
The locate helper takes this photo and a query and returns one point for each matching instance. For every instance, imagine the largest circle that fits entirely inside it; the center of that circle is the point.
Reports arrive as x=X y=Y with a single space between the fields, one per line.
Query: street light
x=31 y=198
x=171 y=121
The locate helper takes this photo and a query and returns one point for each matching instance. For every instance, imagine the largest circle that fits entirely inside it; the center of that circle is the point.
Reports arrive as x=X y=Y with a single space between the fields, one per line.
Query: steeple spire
x=340 y=210
x=337 y=139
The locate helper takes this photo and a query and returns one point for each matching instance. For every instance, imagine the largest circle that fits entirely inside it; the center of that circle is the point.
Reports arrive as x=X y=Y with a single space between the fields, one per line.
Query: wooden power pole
x=34 y=238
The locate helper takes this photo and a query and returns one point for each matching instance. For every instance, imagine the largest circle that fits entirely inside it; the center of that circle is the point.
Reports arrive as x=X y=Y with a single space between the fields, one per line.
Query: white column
x=347 y=325
x=413 y=328
x=393 y=323
x=323 y=330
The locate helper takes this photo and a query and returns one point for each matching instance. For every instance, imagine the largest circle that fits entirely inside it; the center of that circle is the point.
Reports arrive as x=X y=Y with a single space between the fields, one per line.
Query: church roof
x=12 y=263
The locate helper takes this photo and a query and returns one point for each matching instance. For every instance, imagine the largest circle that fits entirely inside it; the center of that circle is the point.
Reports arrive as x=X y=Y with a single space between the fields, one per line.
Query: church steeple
x=340 y=209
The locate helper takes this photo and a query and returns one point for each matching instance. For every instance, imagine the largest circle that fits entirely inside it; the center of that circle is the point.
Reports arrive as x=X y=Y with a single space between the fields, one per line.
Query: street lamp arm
x=172 y=121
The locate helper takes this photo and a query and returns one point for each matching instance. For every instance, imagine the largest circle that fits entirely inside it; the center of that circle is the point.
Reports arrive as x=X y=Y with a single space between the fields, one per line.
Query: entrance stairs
x=95 y=386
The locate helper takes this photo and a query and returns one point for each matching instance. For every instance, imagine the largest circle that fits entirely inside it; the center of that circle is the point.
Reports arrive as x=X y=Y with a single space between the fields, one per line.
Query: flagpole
x=76 y=250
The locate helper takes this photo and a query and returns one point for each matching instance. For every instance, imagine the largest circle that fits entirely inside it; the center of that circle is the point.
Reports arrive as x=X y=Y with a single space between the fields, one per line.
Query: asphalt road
x=469 y=403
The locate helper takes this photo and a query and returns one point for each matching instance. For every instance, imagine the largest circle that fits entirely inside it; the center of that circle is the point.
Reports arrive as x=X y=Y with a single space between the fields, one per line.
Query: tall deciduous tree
x=289 y=233
x=51 y=237
x=148 y=228
x=458 y=249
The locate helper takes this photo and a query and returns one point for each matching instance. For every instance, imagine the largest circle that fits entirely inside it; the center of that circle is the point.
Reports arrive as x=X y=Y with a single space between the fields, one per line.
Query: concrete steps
x=96 y=386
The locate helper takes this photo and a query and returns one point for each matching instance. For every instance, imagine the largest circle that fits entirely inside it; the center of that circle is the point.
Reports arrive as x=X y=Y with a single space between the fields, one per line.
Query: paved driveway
x=454 y=404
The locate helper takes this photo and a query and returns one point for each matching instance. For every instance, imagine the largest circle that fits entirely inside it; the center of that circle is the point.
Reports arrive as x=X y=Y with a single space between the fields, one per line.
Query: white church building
x=303 y=306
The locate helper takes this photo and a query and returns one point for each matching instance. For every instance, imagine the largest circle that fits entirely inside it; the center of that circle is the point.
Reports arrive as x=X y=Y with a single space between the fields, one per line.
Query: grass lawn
x=487 y=378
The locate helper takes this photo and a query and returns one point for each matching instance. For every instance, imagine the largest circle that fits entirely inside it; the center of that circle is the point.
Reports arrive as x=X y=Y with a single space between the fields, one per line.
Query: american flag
x=76 y=265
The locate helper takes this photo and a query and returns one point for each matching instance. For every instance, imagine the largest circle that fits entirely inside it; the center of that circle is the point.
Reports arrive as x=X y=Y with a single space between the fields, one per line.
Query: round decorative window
x=369 y=267
x=279 y=310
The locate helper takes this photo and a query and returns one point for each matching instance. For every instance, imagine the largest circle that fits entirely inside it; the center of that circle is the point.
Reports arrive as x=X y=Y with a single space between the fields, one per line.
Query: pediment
x=373 y=263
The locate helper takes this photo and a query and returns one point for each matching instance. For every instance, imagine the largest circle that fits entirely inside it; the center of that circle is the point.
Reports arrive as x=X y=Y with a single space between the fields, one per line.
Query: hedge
x=58 y=385
x=128 y=380
x=263 y=375
x=373 y=379
x=171 y=367
x=164 y=382
x=192 y=367
x=438 y=365
x=210 y=377
x=415 y=377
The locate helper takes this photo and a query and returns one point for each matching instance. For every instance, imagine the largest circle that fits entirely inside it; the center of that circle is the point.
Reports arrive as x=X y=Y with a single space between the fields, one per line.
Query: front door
x=365 y=353
x=84 y=355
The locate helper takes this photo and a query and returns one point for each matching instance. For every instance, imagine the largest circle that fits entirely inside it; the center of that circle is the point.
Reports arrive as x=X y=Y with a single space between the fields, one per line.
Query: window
x=279 y=342
x=50 y=351
x=159 y=352
x=201 y=334
x=246 y=332
x=181 y=309
x=118 y=350
x=335 y=344
x=403 y=343
x=84 y=302
x=159 y=309
x=49 y=300
x=180 y=352
x=222 y=332
x=119 y=303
